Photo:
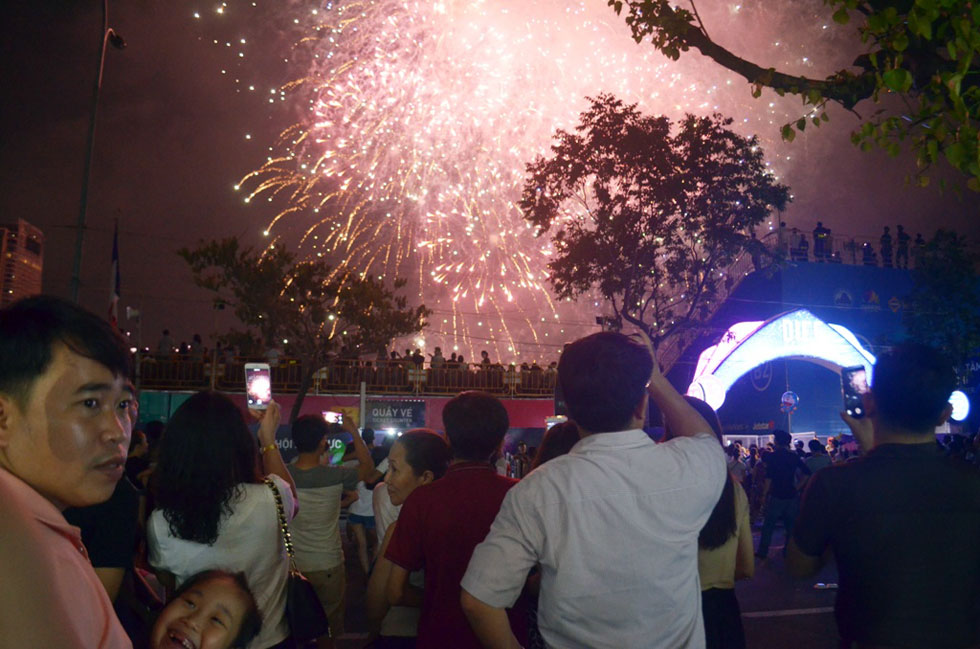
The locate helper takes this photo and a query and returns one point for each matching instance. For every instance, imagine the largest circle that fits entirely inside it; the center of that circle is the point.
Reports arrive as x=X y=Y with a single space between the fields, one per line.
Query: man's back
x=781 y=467
x=614 y=525
x=315 y=529
x=437 y=529
x=904 y=523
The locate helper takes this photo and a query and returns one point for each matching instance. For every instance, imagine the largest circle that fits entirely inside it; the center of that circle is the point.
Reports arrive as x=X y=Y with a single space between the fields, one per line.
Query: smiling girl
x=211 y=610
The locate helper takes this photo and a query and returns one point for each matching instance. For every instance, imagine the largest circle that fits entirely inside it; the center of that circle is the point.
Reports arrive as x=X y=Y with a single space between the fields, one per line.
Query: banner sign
x=400 y=415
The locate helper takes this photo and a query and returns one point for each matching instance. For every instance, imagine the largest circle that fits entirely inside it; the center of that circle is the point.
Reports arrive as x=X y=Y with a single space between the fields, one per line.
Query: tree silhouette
x=317 y=309
x=649 y=219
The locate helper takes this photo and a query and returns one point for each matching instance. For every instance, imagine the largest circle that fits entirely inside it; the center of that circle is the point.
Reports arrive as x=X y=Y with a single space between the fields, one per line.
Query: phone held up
x=258 y=385
x=854 y=382
x=333 y=417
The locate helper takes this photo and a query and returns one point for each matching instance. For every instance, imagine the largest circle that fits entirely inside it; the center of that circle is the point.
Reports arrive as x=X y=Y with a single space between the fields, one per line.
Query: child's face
x=207 y=616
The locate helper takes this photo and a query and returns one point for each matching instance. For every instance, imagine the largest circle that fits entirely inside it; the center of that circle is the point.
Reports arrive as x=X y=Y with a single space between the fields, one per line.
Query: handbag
x=304 y=612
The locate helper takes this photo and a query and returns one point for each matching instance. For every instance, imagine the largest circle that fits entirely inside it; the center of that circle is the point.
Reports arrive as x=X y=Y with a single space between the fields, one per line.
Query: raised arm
x=680 y=417
x=269 y=450
x=365 y=468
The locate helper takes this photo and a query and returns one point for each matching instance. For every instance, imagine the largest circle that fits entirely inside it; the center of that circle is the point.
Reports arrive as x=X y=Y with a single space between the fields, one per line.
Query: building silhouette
x=21 y=261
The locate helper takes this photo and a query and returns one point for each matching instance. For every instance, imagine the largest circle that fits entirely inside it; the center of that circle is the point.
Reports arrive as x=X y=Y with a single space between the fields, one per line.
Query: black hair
x=425 y=450
x=781 y=437
x=251 y=621
x=206 y=456
x=721 y=524
x=816 y=447
x=911 y=386
x=476 y=423
x=558 y=440
x=308 y=431
x=603 y=378
x=368 y=436
x=29 y=330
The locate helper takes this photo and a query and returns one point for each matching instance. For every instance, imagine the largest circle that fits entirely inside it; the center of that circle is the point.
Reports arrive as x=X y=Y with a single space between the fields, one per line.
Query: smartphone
x=332 y=417
x=258 y=385
x=854 y=381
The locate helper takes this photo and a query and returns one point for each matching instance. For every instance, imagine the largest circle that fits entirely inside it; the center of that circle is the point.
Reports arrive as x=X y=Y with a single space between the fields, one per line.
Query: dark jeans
x=722 y=619
x=778 y=509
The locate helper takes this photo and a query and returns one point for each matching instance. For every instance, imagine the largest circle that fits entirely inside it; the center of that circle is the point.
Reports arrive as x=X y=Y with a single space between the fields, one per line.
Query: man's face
x=69 y=440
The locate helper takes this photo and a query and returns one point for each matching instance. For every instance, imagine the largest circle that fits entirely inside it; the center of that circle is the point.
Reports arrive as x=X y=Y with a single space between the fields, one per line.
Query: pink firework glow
x=415 y=120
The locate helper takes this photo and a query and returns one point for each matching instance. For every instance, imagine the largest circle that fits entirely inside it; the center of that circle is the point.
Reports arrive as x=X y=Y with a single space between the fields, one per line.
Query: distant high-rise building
x=21 y=261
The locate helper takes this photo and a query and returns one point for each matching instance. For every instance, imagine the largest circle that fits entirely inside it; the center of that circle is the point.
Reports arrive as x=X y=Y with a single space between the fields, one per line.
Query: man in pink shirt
x=66 y=405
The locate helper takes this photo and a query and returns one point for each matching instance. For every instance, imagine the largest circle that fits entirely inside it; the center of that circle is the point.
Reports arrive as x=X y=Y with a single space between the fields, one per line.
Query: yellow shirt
x=716 y=568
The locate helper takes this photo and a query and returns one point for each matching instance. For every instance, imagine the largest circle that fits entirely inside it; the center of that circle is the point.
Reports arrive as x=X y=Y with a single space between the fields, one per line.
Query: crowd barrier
x=343 y=377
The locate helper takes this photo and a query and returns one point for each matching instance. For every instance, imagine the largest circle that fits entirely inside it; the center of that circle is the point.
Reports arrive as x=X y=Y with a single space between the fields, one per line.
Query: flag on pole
x=114 y=279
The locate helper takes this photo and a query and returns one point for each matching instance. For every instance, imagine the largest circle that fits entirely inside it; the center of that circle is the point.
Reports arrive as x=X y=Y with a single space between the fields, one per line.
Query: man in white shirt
x=613 y=524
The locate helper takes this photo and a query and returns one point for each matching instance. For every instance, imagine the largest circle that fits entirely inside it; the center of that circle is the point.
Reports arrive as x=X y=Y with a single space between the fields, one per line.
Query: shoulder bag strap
x=283 y=526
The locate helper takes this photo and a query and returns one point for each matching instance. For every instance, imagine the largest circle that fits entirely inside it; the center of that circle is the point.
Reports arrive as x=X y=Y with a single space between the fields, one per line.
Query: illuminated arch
x=793 y=335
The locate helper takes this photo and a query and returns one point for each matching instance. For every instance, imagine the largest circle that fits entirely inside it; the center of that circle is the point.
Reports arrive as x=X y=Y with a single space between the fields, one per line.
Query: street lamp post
x=109 y=35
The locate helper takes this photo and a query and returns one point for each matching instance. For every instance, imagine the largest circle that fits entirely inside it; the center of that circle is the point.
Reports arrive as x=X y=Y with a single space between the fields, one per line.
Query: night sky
x=171 y=144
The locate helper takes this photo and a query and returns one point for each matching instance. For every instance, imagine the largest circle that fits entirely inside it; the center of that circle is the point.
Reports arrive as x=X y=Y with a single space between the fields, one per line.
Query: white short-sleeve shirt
x=248 y=541
x=614 y=525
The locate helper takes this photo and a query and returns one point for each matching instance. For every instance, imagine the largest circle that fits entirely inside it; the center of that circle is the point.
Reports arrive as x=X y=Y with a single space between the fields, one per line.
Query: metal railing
x=345 y=377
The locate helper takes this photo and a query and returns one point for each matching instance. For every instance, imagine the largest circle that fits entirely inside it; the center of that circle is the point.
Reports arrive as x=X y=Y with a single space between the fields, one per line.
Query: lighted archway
x=793 y=335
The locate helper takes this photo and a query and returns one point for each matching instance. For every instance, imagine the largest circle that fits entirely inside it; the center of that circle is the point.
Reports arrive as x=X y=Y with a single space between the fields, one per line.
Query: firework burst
x=418 y=120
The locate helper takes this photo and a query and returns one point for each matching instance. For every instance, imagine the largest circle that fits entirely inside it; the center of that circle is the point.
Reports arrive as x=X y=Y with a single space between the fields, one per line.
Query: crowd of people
x=605 y=538
x=892 y=251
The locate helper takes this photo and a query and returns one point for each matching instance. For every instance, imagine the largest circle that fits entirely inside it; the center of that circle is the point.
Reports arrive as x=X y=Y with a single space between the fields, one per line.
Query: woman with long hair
x=724 y=554
x=213 y=509
x=416 y=458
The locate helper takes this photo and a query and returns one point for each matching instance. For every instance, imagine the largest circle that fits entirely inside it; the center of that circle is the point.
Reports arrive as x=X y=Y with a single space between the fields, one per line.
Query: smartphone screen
x=258 y=385
x=854 y=382
x=332 y=417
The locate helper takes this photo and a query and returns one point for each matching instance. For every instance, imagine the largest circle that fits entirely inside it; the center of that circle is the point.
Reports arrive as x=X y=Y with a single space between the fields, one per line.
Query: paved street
x=778 y=612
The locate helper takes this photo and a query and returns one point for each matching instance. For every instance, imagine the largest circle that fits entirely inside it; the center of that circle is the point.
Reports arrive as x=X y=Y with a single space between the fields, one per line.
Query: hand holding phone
x=258 y=385
x=854 y=384
x=269 y=418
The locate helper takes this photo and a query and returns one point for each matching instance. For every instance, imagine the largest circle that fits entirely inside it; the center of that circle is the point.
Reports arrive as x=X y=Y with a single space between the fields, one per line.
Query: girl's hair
x=206 y=456
x=721 y=525
x=425 y=450
x=557 y=440
x=251 y=621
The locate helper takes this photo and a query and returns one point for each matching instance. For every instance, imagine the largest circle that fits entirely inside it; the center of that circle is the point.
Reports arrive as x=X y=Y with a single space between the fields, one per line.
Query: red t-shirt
x=438 y=527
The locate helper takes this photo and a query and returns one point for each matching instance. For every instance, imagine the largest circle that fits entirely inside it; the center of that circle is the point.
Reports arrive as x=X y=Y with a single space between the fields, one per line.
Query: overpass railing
x=344 y=377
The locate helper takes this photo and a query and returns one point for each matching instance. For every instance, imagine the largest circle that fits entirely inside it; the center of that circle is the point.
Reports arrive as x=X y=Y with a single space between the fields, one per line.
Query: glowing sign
x=961 y=405
x=797 y=334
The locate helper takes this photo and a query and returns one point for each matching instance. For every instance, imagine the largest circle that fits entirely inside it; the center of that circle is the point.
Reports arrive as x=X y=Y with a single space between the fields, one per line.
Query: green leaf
x=816 y=122
x=788 y=133
x=951 y=48
x=898 y=80
x=756 y=91
x=923 y=181
x=956 y=154
x=841 y=17
x=901 y=41
x=801 y=124
x=824 y=117
x=973 y=184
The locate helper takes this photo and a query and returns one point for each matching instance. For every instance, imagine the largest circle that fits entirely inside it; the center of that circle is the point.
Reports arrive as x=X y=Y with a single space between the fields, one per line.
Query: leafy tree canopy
x=943 y=309
x=650 y=219
x=925 y=51
x=317 y=308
